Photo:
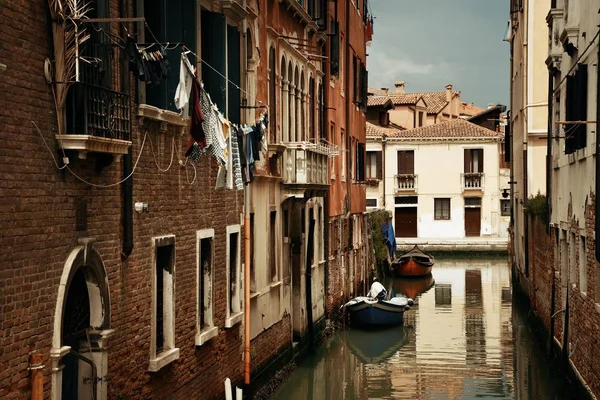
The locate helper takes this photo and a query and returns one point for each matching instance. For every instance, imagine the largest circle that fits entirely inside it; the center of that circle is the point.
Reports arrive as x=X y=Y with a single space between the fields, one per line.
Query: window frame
x=233 y=317
x=169 y=352
x=204 y=334
x=439 y=206
x=504 y=213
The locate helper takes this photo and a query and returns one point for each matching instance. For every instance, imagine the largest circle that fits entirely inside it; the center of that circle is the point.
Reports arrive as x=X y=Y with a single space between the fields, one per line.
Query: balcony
x=235 y=9
x=299 y=10
x=305 y=166
x=406 y=183
x=472 y=181
x=98 y=120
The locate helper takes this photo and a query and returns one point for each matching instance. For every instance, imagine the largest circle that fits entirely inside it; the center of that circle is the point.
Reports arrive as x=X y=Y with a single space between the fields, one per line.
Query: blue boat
x=372 y=312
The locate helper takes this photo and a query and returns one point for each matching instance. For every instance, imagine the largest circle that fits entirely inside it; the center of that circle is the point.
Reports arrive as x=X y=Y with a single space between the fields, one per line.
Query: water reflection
x=456 y=344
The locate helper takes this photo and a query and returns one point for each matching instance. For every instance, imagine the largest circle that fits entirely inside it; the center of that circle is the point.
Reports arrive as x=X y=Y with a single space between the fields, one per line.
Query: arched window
x=302 y=122
x=312 y=105
x=321 y=111
x=297 y=133
x=284 y=101
x=272 y=97
x=291 y=102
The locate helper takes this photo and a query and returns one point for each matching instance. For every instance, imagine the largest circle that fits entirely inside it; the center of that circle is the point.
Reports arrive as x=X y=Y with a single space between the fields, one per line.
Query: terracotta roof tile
x=469 y=110
x=456 y=128
x=404 y=98
x=373 y=101
x=378 y=131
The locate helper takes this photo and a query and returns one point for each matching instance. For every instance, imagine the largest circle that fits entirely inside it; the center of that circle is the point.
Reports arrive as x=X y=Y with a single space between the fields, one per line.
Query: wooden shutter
x=507 y=142
x=569 y=113
x=410 y=162
x=234 y=75
x=401 y=162
x=379 y=165
x=480 y=158
x=335 y=48
x=582 y=85
x=360 y=170
x=467 y=161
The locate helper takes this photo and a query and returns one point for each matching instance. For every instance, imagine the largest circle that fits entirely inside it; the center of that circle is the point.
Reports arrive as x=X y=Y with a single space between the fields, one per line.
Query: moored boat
x=414 y=262
x=369 y=311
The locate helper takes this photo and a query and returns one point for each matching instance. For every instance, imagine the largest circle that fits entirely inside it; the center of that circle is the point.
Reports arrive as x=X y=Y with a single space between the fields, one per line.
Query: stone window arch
x=81 y=326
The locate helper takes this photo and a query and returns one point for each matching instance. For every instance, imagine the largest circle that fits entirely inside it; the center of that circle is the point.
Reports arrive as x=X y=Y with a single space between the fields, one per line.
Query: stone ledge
x=163 y=359
x=206 y=335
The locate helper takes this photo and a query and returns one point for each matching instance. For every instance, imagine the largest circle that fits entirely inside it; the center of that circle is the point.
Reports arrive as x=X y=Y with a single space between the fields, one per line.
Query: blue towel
x=389 y=237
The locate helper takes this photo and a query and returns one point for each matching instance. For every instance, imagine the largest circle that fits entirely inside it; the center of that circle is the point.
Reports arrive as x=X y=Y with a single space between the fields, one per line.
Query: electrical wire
x=154 y=156
x=80 y=178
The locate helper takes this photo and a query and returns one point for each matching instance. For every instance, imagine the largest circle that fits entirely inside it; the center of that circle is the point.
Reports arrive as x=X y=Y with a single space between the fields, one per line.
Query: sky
x=431 y=43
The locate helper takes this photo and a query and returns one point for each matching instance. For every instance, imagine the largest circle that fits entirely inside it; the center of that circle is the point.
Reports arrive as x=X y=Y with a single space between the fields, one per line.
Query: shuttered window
x=373 y=167
x=335 y=48
x=473 y=161
x=576 y=110
x=406 y=162
x=360 y=162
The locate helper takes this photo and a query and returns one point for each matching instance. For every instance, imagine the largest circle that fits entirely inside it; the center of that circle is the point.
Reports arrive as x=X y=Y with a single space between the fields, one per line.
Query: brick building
x=346 y=93
x=554 y=252
x=125 y=268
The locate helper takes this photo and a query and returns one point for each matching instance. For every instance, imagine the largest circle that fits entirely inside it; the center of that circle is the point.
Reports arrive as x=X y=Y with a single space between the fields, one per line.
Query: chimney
x=491 y=105
x=385 y=90
x=449 y=92
x=400 y=87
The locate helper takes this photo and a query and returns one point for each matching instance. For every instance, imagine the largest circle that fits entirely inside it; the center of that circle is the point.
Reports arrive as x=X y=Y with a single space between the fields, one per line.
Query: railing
x=305 y=167
x=406 y=182
x=99 y=112
x=472 y=180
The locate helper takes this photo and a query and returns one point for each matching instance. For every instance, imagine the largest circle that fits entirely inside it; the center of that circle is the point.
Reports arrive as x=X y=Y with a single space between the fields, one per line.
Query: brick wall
x=37 y=233
x=584 y=311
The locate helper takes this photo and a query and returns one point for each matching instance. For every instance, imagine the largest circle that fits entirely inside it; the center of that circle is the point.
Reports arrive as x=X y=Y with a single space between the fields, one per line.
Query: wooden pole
x=37 y=377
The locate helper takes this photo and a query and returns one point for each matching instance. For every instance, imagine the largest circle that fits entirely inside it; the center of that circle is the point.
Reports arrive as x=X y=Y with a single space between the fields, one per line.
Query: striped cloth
x=236 y=164
x=212 y=127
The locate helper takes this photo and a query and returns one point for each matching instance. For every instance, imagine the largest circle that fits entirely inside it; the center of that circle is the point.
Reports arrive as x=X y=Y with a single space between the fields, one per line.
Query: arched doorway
x=81 y=327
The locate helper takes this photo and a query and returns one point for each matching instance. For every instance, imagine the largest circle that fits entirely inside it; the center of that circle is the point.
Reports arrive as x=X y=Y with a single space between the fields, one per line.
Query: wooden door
x=472 y=221
x=406 y=222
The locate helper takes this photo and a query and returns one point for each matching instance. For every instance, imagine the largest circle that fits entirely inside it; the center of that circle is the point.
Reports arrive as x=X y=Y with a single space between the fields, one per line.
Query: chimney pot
x=400 y=86
x=449 y=92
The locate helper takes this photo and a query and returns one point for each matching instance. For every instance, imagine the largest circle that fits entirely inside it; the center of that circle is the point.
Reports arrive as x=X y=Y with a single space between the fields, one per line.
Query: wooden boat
x=375 y=347
x=413 y=263
x=413 y=287
x=370 y=312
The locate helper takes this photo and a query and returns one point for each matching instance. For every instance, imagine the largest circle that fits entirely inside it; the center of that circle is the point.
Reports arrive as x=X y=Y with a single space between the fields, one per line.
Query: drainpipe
x=597 y=188
x=127 y=189
x=247 y=251
x=37 y=377
x=549 y=149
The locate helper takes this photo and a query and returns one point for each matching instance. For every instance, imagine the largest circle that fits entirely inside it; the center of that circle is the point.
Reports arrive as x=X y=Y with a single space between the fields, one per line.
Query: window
x=582 y=265
x=169 y=21
x=371 y=203
x=441 y=209
x=374 y=167
x=420 y=118
x=576 y=110
x=252 y=258
x=234 y=290
x=505 y=208
x=473 y=161
x=205 y=328
x=343 y=147
x=273 y=246
x=356 y=82
x=573 y=259
x=162 y=350
x=406 y=162
x=341 y=68
x=335 y=48
x=384 y=118
x=272 y=95
x=473 y=202
x=221 y=49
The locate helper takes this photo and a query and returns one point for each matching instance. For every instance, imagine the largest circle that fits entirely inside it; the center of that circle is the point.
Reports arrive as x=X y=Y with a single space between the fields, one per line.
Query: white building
x=442 y=183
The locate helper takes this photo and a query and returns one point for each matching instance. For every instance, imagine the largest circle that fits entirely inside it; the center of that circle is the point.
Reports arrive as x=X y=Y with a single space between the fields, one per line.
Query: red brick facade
x=545 y=262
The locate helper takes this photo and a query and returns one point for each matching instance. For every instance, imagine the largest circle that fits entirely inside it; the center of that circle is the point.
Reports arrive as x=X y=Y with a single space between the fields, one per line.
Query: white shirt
x=376 y=288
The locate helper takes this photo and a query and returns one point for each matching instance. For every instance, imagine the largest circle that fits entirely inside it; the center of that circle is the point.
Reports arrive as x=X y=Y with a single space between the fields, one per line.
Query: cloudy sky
x=430 y=43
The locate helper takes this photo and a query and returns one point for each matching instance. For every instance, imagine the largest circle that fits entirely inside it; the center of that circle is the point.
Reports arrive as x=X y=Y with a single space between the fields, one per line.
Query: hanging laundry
x=212 y=127
x=184 y=88
x=197 y=134
x=242 y=151
x=369 y=31
x=236 y=160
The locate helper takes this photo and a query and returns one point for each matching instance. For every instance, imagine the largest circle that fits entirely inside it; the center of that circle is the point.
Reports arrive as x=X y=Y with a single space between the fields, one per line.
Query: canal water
x=464 y=339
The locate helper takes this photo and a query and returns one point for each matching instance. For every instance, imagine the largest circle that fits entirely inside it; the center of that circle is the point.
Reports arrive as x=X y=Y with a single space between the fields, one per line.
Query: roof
x=499 y=109
x=454 y=129
x=436 y=101
x=379 y=101
x=374 y=130
x=469 y=109
x=372 y=90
